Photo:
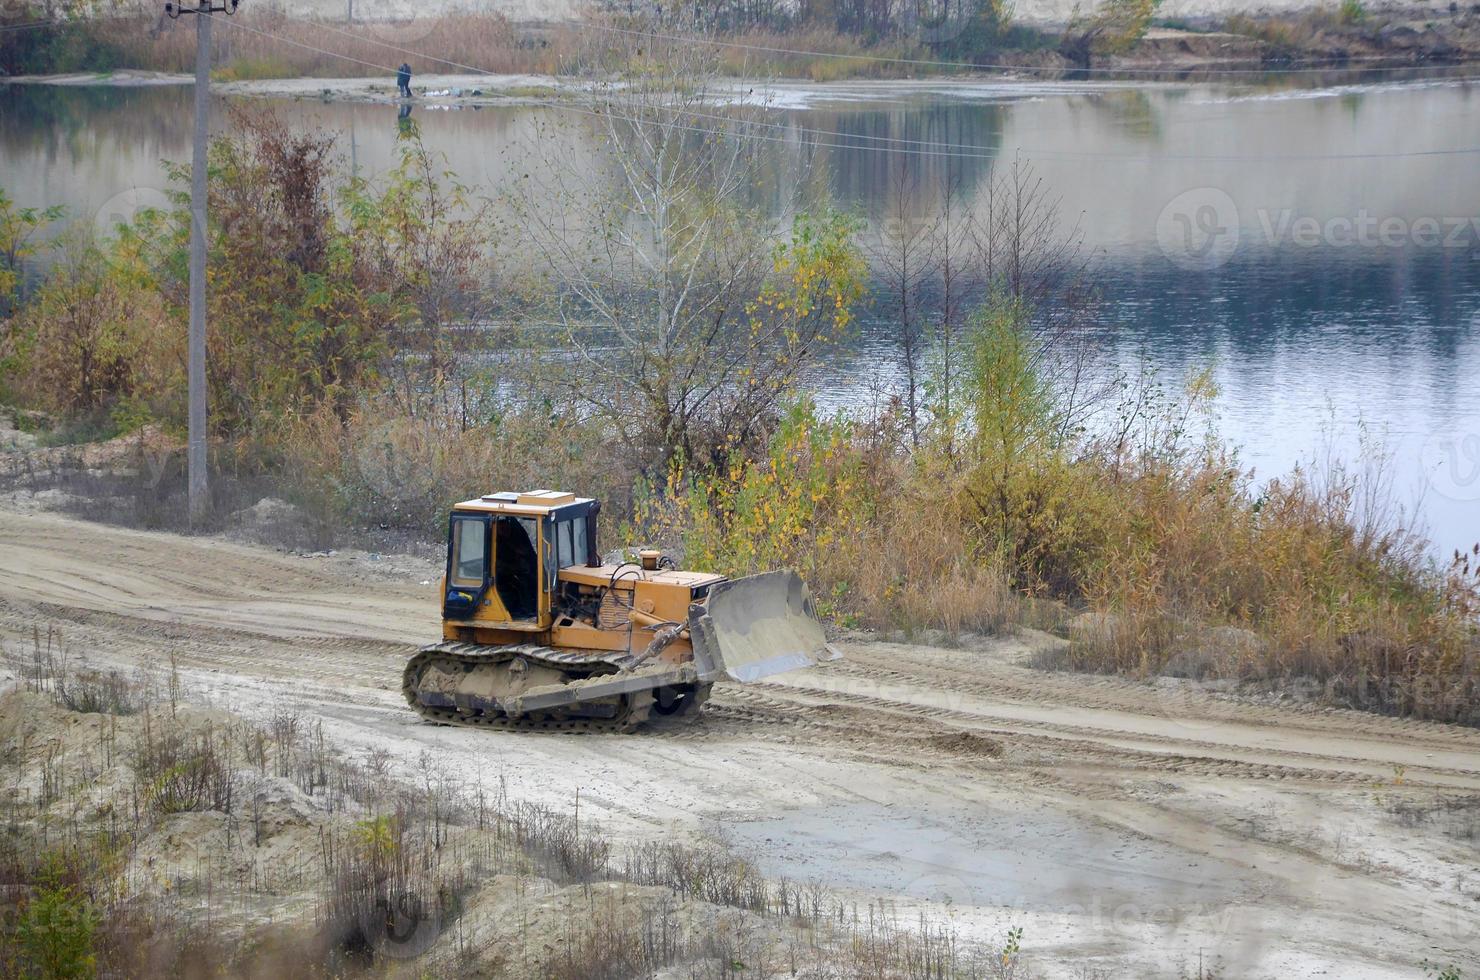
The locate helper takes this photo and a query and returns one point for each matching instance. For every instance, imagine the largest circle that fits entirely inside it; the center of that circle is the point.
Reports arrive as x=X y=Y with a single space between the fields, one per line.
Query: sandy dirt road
x=1136 y=828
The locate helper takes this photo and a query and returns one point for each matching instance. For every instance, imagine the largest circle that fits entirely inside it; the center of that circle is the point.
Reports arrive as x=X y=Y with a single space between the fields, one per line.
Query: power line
x=402 y=50
x=26 y=27
x=904 y=145
x=1050 y=154
x=309 y=47
x=587 y=25
x=473 y=68
x=923 y=62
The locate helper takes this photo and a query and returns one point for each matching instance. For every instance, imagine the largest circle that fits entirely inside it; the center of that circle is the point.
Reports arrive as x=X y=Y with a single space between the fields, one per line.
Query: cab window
x=570 y=542
x=563 y=548
x=580 y=547
x=469 y=553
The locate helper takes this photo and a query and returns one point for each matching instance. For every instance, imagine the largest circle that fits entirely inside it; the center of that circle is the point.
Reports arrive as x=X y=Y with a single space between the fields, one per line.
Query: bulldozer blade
x=757 y=626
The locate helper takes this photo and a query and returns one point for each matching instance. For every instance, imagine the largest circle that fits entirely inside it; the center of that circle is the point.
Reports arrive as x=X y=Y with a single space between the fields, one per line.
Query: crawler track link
x=576 y=666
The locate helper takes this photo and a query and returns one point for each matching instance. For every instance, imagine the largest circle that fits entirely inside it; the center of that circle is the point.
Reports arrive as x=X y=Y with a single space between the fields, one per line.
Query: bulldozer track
x=638 y=705
x=1119 y=693
x=1178 y=755
x=474 y=655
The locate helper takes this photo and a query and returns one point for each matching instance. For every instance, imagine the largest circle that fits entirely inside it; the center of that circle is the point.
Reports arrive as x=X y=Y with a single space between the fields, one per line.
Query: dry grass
x=161 y=839
x=912 y=569
x=1286 y=37
x=837 y=57
x=383 y=467
x=1311 y=581
x=1305 y=580
x=76 y=686
x=486 y=41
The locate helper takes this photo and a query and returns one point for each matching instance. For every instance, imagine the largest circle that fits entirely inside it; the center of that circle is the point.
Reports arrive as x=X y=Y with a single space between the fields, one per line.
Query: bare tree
x=1025 y=255
x=689 y=310
x=906 y=261
x=938 y=256
x=955 y=274
x=425 y=235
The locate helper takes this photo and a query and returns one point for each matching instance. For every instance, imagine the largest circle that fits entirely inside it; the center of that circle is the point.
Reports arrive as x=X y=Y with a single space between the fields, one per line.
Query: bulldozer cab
x=504 y=551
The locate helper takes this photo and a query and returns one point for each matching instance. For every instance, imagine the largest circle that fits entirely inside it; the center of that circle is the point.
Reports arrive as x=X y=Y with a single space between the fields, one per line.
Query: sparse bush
x=1352 y=12
x=1113 y=28
x=1440 y=972
x=243 y=69
x=75 y=686
x=100 y=691
x=181 y=772
x=18 y=230
x=88 y=342
x=394 y=885
x=1285 y=37
x=386 y=884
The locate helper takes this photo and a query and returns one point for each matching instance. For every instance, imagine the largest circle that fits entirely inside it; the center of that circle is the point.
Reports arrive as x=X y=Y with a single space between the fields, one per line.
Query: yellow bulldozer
x=538 y=632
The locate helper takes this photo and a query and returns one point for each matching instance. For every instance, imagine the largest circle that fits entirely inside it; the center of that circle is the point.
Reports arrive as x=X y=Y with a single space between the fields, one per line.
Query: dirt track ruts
x=1289 y=807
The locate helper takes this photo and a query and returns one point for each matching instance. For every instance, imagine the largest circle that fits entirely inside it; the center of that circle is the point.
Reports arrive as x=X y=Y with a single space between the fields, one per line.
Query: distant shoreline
x=473 y=90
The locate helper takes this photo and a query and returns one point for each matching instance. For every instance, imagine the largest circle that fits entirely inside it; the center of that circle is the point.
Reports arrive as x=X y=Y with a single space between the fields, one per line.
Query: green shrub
x=248 y=68
x=54 y=933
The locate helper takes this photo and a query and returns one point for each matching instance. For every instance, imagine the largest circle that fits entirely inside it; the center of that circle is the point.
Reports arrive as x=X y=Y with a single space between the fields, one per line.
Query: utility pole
x=195 y=456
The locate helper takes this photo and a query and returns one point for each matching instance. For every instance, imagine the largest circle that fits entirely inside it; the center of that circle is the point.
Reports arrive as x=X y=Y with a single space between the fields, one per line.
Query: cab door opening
x=516 y=566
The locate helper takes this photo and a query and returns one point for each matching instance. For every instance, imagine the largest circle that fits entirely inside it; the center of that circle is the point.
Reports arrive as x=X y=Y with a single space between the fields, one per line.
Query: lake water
x=1317 y=245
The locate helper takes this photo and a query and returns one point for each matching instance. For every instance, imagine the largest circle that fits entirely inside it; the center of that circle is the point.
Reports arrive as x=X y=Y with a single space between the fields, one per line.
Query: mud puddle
x=988 y=856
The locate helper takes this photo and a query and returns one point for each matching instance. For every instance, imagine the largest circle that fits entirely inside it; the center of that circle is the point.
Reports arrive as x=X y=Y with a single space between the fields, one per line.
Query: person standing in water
x=403 y=80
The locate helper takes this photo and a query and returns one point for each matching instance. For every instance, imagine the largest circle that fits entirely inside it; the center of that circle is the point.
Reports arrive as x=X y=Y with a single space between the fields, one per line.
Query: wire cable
x=309 y=47
x=586 y=25
x=923 y=62
x=934 y=146
x=957 y=151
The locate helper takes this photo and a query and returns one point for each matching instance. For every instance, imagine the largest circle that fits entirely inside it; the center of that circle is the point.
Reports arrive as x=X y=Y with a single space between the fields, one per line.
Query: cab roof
x=529 y=502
